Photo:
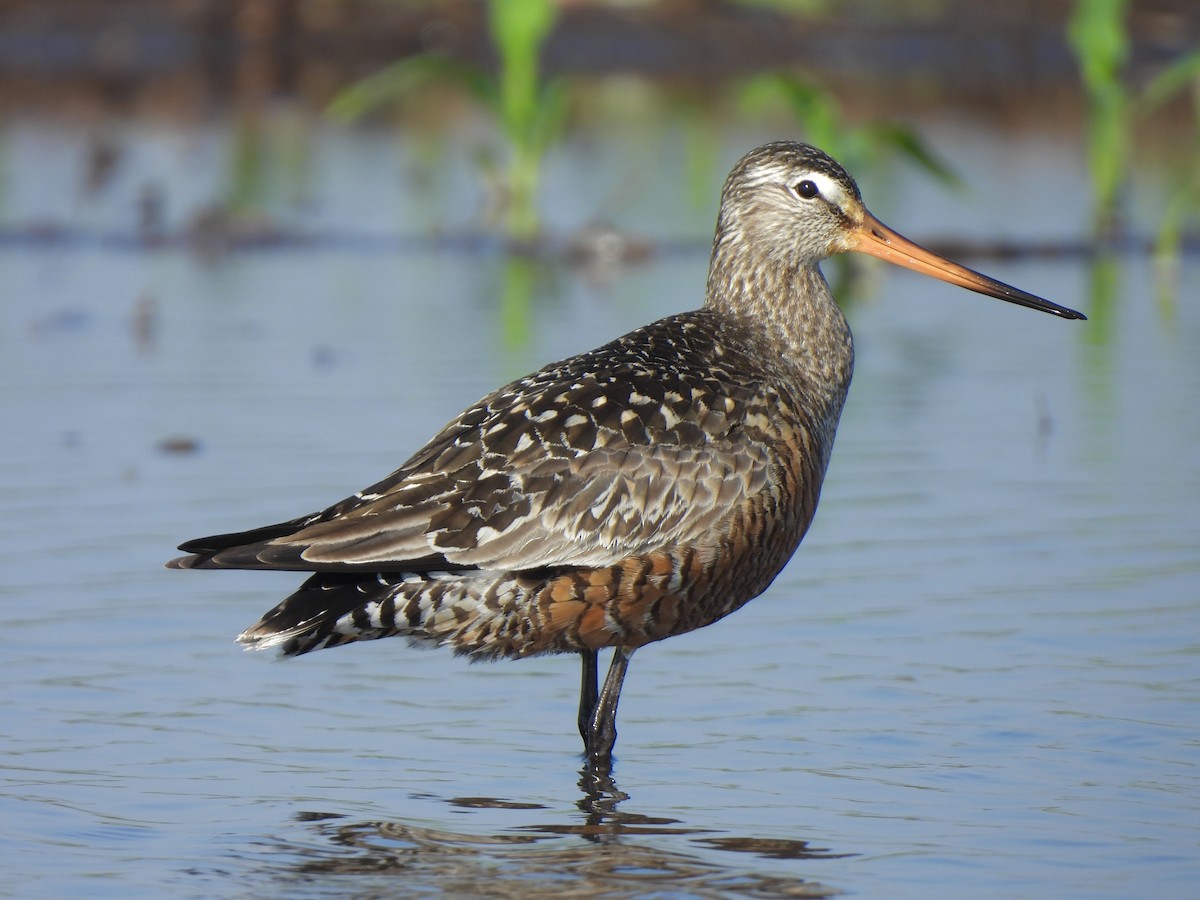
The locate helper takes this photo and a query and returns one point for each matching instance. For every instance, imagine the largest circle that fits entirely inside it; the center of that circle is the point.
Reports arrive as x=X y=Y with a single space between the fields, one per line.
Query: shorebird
x=640 y=490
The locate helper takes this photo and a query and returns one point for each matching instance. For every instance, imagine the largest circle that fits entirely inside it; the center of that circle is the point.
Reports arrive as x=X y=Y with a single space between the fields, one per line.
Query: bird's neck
x=794 y=310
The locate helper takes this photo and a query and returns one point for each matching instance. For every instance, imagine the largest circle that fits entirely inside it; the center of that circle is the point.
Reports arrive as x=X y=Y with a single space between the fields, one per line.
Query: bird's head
x=786 y=206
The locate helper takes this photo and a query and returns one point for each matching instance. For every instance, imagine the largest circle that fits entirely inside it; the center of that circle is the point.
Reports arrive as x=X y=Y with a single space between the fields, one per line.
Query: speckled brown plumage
x=622 y=496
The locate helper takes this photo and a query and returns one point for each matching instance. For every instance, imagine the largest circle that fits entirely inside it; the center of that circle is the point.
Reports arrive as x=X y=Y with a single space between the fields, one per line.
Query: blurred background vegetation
x=529 y=75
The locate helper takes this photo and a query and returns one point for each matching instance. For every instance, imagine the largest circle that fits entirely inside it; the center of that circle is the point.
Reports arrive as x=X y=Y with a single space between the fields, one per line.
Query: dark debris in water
x=179 y=445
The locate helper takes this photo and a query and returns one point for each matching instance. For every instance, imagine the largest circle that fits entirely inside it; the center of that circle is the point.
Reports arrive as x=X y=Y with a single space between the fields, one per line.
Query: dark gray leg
x=589 y=693
x=603 y=731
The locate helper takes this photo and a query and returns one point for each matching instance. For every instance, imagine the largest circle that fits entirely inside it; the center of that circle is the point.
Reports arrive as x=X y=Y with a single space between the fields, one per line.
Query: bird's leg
x=603 y=732
x=589 y=693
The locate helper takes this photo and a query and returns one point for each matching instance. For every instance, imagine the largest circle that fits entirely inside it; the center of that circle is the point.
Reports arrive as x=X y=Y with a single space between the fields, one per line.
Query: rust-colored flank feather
x=622 y=496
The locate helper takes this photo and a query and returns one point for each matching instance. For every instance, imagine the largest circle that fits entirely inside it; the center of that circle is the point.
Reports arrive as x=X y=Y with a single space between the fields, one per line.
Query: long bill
x=876 y=239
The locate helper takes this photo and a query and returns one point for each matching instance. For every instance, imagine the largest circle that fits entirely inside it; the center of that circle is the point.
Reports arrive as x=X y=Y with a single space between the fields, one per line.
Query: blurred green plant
x=1097 y=36
x=530 y=113
x=857 y=147
x=1097 y=32
x=1184 y=204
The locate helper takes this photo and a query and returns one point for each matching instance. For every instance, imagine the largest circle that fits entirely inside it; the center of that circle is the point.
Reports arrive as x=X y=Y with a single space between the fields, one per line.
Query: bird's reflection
x=621 y=852
x=601 y=797
x=602 y=820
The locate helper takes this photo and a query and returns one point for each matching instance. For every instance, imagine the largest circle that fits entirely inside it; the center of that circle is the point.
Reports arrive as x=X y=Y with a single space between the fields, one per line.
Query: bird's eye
x=807 y=189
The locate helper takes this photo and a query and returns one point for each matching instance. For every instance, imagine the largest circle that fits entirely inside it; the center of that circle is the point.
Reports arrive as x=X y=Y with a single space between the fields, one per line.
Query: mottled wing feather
x=572 y=466
x=606 y=507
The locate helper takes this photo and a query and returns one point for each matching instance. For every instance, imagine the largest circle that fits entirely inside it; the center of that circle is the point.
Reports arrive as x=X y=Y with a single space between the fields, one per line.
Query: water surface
x=978 y=677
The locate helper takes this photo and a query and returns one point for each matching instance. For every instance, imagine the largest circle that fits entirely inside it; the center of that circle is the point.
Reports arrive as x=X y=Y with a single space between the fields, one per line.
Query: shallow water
x=978 y=677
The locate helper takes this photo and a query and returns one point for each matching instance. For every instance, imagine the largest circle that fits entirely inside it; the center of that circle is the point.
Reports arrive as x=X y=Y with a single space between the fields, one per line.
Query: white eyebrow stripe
x=830 y=189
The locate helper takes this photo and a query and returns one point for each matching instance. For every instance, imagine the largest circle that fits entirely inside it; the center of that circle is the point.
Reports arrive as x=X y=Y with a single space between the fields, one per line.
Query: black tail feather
x=255 y=550
x=239 y=547
x=215 y=543
x=307 y=619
